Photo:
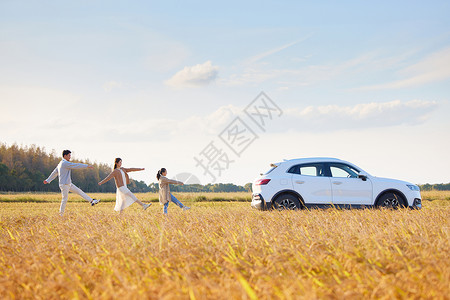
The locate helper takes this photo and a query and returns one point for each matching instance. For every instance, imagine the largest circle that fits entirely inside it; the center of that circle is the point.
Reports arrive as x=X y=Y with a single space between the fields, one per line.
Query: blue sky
x=155 y=82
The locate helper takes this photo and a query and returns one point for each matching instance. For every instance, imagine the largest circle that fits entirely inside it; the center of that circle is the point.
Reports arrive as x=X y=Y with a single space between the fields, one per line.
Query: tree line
x=435 y=187
x=24 y=168
x=208 y=188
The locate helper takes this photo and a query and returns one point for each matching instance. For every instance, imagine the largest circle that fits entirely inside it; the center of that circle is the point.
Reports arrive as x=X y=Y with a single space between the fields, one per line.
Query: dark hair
x=116 y=161
x=158 y=175
x=65 y=152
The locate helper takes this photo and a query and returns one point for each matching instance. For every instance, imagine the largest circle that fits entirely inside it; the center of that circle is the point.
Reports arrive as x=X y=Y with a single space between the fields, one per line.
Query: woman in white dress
x=124 y=197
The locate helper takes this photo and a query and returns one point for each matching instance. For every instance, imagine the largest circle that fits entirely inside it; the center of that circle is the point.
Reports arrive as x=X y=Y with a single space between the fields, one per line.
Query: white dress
x=124 y=197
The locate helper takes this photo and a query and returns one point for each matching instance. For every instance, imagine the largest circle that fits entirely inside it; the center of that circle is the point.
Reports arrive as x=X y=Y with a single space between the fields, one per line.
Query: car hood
x=390 y=180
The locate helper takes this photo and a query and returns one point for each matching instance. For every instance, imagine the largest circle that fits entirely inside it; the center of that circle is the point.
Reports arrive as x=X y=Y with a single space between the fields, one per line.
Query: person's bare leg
x=136 y=199
x=139 y=202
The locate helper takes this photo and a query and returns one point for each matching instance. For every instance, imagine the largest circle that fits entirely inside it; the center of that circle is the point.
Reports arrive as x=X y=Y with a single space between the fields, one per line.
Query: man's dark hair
x=65 y=152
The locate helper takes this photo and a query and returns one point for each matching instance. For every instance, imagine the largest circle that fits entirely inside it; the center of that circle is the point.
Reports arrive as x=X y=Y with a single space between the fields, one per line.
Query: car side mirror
x=362 y=176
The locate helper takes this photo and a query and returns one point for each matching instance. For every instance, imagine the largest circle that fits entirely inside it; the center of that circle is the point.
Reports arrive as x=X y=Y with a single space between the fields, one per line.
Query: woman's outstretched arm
x=133 y=169
x=108 y=178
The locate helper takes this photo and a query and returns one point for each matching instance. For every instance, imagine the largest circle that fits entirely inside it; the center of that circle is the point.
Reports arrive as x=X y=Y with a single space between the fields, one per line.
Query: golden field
x=111 y=197
x=221 y=250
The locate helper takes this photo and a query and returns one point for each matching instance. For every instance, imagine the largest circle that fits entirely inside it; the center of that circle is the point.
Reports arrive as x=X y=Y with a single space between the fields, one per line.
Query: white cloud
x=434 y=68
x=254 y=72
x=311 y=119
x=43 y=118
x=365 y=115
x=168 y=129
x=327 y=118
x=289 y=77
x=195 y=76
x=153 y=142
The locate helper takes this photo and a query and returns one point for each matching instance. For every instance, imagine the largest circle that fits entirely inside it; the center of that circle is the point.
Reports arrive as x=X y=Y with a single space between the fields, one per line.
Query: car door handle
x=299 y=182
x=337 y=182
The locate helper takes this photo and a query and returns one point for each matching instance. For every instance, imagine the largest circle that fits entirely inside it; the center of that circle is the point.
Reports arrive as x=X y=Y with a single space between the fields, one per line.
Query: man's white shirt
x=64 y=171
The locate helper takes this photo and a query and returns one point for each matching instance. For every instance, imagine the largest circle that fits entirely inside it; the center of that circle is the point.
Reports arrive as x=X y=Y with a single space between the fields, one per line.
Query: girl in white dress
x=124 y=197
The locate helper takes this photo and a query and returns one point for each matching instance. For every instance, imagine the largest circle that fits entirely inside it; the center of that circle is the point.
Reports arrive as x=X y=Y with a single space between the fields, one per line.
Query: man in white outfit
x=64 y=170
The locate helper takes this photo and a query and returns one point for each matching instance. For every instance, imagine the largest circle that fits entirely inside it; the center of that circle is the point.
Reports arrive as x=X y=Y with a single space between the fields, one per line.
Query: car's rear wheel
x=390 y=200
x=286 y=201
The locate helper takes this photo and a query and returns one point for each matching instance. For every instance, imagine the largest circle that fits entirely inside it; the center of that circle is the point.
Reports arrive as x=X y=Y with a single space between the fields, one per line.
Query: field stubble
x=223 y=250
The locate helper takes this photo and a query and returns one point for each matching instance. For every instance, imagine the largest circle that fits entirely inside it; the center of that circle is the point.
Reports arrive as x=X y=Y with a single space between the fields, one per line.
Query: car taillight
x=262 y=181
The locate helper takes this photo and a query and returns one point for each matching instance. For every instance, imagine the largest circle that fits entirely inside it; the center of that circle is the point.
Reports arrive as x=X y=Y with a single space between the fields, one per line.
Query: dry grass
x=111 y=197
x=223 y=250
x=438 y=197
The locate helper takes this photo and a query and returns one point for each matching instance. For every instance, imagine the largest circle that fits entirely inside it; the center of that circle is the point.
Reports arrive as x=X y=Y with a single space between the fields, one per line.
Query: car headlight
x=413 y=187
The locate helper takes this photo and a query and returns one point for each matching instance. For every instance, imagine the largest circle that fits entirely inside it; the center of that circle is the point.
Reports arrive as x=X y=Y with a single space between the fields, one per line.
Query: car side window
x=343 y=170
x=294 y=170
x=308 y=170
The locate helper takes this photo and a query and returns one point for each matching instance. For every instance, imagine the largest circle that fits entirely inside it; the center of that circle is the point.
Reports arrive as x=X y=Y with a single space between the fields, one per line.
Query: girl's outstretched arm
x=170 y=181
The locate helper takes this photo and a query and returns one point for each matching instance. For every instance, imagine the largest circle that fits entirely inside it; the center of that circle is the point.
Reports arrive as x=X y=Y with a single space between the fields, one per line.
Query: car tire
x=286 y=202
x=390 y=200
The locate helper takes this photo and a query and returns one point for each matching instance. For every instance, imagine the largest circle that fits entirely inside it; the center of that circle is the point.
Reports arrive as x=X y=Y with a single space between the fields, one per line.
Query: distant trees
x=209 y=188
x=23 y=169
x=435 y=187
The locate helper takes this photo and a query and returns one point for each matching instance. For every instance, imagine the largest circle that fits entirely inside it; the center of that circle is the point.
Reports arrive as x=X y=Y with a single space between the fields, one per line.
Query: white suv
x=319 y=182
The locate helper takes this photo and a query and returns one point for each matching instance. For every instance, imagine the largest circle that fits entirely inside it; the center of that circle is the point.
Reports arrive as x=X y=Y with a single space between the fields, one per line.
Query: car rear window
x=294 y=170
x=270 y=170
x=273 y=167
x=314 y=169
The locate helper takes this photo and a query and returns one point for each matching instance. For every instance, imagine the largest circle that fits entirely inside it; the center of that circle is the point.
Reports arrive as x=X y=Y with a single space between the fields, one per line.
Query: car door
x=347 y=188
x=311 y=182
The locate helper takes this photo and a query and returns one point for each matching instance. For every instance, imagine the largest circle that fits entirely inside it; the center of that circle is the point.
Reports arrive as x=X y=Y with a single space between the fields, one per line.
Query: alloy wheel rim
x=287 y=204
x=390 y=202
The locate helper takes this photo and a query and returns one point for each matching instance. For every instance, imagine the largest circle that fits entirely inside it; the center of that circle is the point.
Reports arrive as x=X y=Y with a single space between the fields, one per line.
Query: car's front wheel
x=390 y=200
x=286 y=201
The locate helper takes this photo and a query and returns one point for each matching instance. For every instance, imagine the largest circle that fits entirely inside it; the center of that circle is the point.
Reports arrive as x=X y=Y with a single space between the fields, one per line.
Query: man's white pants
x=65 y=189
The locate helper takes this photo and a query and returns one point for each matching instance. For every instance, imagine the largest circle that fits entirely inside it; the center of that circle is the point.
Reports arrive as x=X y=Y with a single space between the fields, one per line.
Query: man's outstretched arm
x=52 y=176
x=72 y=165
